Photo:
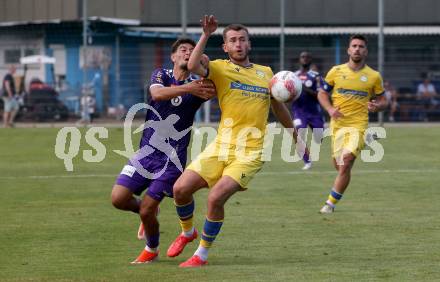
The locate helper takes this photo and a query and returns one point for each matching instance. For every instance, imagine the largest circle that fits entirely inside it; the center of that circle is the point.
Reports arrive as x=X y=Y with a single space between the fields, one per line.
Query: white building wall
x=24 y=44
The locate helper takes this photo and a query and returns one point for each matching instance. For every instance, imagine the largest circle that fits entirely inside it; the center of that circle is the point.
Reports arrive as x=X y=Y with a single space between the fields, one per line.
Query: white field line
x=299 y=172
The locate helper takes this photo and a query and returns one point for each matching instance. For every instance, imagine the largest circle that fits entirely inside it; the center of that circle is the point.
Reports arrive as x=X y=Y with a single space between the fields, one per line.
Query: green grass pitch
x=58 y=225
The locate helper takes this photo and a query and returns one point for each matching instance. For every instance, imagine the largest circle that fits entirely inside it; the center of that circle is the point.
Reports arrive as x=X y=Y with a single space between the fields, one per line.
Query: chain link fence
x=118 y=65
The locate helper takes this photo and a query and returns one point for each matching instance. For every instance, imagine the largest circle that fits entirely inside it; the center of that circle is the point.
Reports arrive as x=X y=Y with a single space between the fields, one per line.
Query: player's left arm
x=283 y=115
x=379 y=102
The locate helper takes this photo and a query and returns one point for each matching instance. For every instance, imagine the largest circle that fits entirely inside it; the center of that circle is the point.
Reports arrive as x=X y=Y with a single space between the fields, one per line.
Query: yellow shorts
x=220 y=160
x=347 y=139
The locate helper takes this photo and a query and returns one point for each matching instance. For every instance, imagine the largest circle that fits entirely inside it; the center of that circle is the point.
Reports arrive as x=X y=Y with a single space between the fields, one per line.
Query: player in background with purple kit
x=176 y=95
x=306 y=111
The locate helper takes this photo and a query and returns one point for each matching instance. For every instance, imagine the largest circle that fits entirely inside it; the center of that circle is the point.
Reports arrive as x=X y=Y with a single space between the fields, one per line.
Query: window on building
x=12 y=56
x=31 y=52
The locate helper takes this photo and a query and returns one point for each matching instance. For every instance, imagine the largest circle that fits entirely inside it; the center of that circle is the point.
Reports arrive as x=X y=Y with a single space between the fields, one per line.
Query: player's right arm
x=209 y=25
x=324 y=95
x=196 y=88
x=160 y=92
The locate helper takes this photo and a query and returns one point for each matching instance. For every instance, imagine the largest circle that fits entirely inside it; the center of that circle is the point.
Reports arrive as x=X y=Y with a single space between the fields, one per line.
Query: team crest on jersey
x=364 y=78
x=237 y=69
x=308 y=83
x=176 y=101
x=159 y=78
x=260 y=74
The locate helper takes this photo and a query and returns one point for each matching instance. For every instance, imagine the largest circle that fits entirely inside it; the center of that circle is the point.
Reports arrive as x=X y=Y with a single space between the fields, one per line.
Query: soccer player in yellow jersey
x=228 y=163
x=355 y=89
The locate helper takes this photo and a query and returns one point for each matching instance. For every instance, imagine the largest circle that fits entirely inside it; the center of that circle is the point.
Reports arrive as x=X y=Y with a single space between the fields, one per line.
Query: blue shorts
x=11 y=104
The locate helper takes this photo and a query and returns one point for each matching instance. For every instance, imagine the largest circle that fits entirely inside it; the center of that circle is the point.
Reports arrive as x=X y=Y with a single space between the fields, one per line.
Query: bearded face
x=357 y=51
x=237 y=45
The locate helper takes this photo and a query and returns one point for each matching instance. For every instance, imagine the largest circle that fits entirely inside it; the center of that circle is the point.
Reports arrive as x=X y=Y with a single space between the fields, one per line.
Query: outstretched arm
x=162 y=93
x=196 y=88
x=209 y=25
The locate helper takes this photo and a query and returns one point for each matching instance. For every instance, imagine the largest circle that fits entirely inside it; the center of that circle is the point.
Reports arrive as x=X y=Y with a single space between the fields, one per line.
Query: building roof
x=132 y=27
x=117 y=21
x=15 y=23
x=128 y=22
x=275 y=31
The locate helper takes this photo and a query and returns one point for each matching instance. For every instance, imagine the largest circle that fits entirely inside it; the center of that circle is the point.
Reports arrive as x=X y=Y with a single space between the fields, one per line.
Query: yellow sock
x=333 y=198
x=185 y=213
x=187 y=224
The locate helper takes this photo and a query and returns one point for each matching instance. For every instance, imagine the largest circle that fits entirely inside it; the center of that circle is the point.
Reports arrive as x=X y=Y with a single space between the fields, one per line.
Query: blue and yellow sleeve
x=378 y=86
x=328 y=83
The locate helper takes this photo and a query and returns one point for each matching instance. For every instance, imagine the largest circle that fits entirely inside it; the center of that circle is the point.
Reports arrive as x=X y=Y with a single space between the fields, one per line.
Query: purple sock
x=306 y=158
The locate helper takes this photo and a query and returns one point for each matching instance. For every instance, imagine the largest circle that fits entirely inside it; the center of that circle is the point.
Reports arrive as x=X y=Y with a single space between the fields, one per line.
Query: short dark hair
x=181 y=41
x=358 y=36
x=236 y=27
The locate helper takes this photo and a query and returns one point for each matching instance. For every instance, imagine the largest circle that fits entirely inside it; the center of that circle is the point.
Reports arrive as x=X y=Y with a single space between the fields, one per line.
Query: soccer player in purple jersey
x=176 y=95
x=306 y=111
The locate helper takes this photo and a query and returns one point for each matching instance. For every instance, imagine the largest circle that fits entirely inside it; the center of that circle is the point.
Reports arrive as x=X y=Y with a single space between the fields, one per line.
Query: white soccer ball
x=285 y=86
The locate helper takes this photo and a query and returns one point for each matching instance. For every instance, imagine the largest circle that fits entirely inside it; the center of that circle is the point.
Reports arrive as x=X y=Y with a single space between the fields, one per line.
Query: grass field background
x=58 y=225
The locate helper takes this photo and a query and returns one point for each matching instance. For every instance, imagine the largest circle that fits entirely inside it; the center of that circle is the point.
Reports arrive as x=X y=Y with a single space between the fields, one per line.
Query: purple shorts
x=158 y=187
x=304 y=120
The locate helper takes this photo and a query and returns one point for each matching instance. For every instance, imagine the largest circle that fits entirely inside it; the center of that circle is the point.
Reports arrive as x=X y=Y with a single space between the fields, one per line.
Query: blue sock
x=210 y=232
x=333 y=198
x=153 y=241
x=185 y=213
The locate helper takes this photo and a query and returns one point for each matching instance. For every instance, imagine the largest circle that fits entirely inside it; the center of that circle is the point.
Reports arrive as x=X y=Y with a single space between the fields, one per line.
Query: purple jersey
x=306 y=103
x=185 y=107
x=166 y=132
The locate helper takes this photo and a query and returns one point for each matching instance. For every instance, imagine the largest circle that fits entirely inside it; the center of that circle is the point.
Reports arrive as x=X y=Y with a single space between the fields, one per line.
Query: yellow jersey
x=243 y=95
x=351 y=91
